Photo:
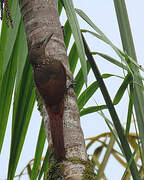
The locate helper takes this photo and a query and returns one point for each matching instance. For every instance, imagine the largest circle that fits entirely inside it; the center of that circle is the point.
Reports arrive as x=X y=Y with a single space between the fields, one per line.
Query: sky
x=102 y=13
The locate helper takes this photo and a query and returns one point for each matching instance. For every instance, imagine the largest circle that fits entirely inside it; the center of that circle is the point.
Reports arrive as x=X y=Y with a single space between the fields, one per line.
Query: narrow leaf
x=122 y=89
x=128 y=46
x=60 y=6
x=100 y=35
x=130 y=110
x=6 y=91
x=79 y=79
x=7 y=42
x=87 y=94
x=21 y=52
x=71 y=15
x=38 y=152
x=124 y=143
x=67 y=34
x=73 y=58
x=23 y=105
x=18 y=58
x=46 y=163
x=111 y=59
x=130 y=161
x=92 y=109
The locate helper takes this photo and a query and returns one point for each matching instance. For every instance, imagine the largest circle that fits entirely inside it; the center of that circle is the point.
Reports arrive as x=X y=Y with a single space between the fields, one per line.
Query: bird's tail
x=56 y=126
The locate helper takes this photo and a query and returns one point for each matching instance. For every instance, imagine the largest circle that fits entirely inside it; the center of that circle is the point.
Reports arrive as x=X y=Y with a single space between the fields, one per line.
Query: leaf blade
x=92 y=109
x=71 y=15
x=38 y=152
x=23 y=105
x=124 y=143
x=123 y=87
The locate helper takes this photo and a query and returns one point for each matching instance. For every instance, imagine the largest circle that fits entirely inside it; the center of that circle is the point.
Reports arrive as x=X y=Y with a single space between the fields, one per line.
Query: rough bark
x=40 y=19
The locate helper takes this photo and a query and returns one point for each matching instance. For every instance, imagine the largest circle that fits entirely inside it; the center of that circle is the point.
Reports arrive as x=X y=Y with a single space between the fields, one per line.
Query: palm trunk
x=41 y=18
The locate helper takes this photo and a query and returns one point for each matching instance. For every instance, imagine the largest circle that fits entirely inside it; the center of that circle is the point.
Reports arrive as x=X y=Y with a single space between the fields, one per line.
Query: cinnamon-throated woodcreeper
x=50 y=80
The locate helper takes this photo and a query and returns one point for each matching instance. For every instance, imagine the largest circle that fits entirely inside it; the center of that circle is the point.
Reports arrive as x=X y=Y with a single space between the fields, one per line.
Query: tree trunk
x=40 y=20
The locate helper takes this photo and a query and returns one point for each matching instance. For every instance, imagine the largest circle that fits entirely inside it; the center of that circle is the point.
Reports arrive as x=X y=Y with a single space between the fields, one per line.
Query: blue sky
x=102 y=13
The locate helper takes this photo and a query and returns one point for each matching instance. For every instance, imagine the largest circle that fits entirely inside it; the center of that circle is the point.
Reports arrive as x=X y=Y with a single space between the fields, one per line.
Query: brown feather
x=50 y=79
x=56 y=126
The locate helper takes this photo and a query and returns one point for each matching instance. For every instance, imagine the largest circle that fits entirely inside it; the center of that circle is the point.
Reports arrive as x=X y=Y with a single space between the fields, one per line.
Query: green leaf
x=6 y=91
x=67 y=34
x=131 y=62
x=80 y=80
x=16 y=63
x=60 y=6
x=110 y=75
x=101 y=35
x=46 y=163
x=111 y=59
x=71 y=15
x=122 y=89
x=130 y=161
x=124 y=143
x=73 y=58
x=24 y=100
x=124 y=27
x=21 y=52
x=38 y=152
x=111 y=127
x=118 y=51
x=8 y=37
x=128 y=46
x=87 y=94
x=92 y=109
x=130 y=110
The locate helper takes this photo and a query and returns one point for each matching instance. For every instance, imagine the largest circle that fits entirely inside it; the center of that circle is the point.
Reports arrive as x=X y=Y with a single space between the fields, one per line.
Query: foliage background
x=102 y=13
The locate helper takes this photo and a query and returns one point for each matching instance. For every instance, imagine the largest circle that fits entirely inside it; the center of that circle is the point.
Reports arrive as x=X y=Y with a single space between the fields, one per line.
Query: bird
x=50 y=80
